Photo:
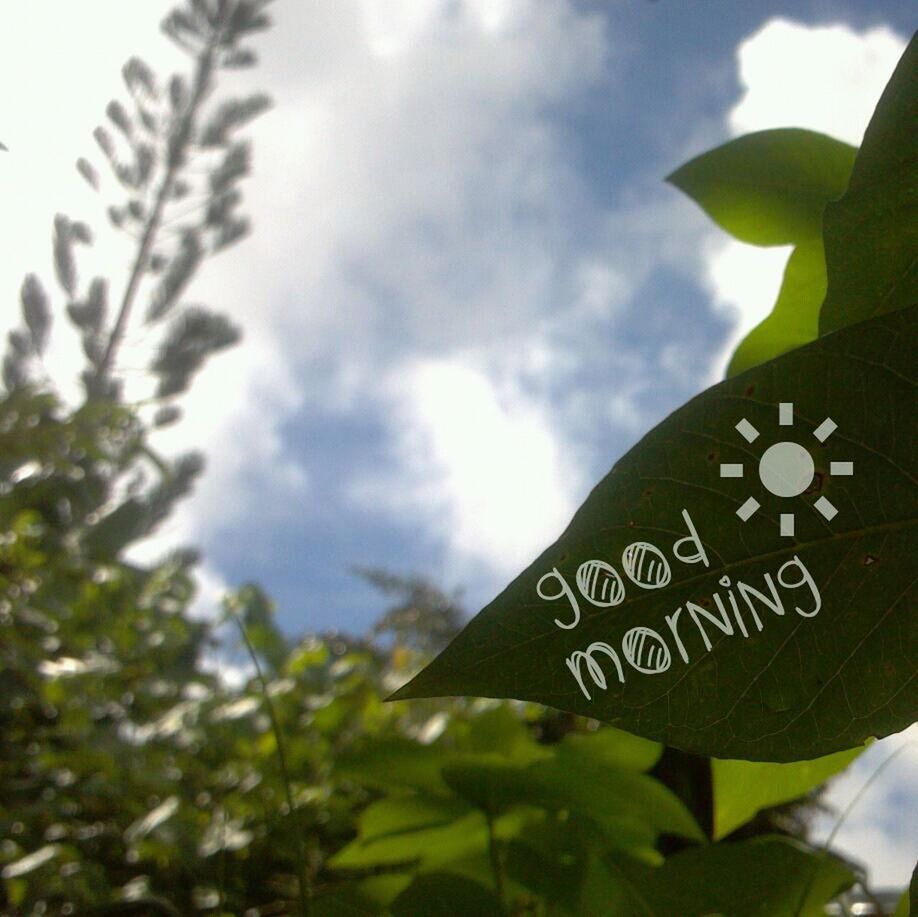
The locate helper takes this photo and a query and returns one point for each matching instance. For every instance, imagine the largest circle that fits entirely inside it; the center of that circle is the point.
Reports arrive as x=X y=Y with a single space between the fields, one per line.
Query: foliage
x=138 y=776
x=789 y=671
x=871 y=233
x=627 y=567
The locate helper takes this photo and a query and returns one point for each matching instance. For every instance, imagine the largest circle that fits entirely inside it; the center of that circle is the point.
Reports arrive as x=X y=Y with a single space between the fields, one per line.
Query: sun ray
x=748 y=508
x=731 y=470
x=747 y=430
x=826 y=508
x=825 y=429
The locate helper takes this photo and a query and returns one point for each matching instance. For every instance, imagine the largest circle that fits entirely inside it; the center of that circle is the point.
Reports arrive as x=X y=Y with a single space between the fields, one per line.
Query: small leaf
x=14 y=372
x=743 y=788
x=138 y=76
x=119 y=117
x=192 y=337
x=244 y=57
x=871 y=234
x=104 y=139
x=769 y=187
x=230 y=232
x=143 y=165
x=85 y=168
x=166 y=416
x=231 y=116
x=234 y=166
x=794 y=320
x=64 y=265
x=35 y=311
x=111 y=534
x=80 y=232
x=817 y=654
x=177 y=276
x=178 y=93
x=219 y=208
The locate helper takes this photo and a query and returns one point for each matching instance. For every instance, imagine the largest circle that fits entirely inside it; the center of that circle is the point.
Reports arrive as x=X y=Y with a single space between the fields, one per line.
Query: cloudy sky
x=468 y=290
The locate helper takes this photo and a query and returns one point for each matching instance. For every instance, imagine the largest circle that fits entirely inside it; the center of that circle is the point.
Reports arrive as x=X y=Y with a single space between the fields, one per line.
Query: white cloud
x=879 y=829
x=478 y=460
x=410 y=196
x=824 y=78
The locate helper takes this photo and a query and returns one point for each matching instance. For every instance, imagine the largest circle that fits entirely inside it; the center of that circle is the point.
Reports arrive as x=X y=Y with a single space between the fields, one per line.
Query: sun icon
x=786 y=469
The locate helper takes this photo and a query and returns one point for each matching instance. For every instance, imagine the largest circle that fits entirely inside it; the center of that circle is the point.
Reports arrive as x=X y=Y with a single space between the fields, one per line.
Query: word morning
x=689 y=628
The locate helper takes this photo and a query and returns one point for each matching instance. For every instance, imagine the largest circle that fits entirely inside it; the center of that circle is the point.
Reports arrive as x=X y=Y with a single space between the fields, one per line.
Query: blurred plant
x=177 y=159
x=425 y=618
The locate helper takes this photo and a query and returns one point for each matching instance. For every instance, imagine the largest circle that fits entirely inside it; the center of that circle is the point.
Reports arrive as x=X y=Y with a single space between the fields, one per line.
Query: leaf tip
x=408 y=691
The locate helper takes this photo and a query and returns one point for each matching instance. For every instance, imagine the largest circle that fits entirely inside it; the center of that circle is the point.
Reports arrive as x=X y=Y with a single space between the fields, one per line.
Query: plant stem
x=175 y=162
x=494 y=854
x=302 y=881
x=840 y=821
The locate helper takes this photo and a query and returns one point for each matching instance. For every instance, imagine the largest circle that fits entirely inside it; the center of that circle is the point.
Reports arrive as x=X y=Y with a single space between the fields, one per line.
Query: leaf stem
x=840 y=821
x=300 y=852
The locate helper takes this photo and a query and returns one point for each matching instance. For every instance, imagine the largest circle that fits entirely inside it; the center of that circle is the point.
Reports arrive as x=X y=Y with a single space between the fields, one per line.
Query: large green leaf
x=742 y=788
x=765 y=877
x=794 y=320
x=769 y=187
x=871 y=234
x=620 y=800
x=833 y=662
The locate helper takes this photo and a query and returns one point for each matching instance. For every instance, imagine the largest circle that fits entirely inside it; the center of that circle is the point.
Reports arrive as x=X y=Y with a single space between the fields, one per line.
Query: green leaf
x=394 y=763
x=765 y=876
x=913 y=892
x=608 y=889
x=742 y=788
x=446 y=895
x=626 y=804
x=612 y=746
x=398 y=814
x=769 y=187
x=431 y=847
x=827 y=664
x=871 y=234
x=502 y=731
x=794 y=320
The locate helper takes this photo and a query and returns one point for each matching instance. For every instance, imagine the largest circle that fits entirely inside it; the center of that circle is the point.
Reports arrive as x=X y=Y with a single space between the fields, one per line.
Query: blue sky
x=468 y=290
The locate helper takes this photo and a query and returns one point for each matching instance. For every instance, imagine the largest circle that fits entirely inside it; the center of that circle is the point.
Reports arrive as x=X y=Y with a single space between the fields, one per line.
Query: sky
x=468 y=290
